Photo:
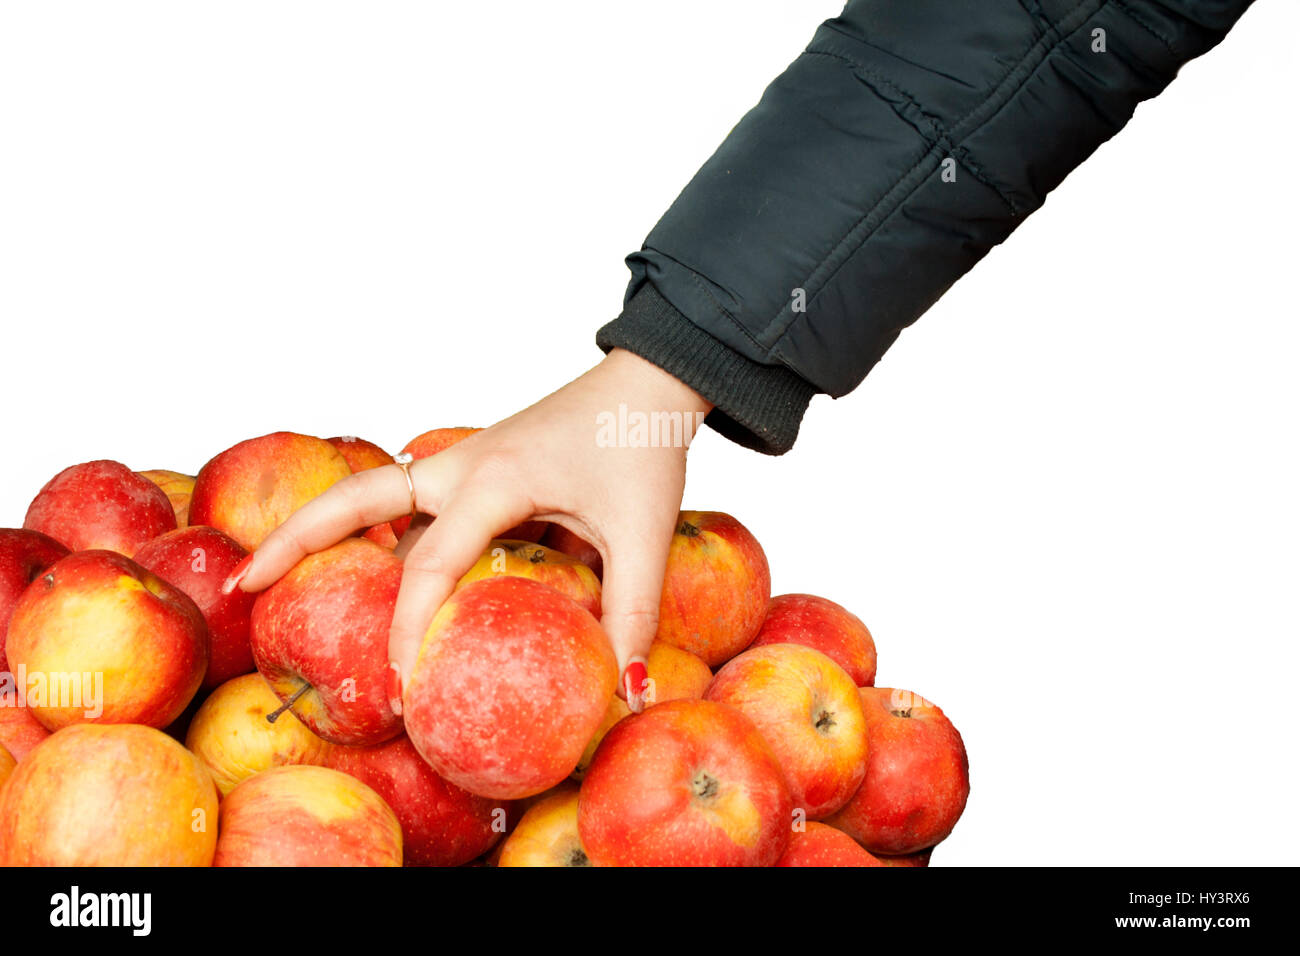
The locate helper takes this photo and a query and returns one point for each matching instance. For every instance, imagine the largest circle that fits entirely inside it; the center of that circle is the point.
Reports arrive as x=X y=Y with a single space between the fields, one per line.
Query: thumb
x=630 y=592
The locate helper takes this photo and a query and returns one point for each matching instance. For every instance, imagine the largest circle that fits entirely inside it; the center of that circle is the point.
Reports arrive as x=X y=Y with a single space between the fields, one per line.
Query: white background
x=1065 y=503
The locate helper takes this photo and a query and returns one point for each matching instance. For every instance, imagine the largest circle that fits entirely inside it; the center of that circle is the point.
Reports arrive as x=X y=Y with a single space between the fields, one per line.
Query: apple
x=24 y=556
x=917 y=775
x=820 y=845
x=178 y=488
x=921 y=858
x=249 y=490
x=233 y=738
x=98 y=638
x=362 y=455
x=108 y=795
x=685 y=783
x=20 y=732
x=716 y=587
x=320 y=638
x=300 y=815
x=197 y=560
x=565 y=541
x=442 y=825
x=547 y=835
x=824 y=625
x=440 y=439
x=100 y=504
x=808 y=711
x=7 y=765
x=524 y=559
x=510 y=682
x=671 y=673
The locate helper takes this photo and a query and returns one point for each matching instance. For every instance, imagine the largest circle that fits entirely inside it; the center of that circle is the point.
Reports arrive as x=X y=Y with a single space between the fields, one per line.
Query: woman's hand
x=551 y=461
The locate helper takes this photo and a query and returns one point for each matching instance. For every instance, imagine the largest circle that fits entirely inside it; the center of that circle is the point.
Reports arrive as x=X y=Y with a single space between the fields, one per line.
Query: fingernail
x=634 y=686
x=238 y=574
x=395 y=688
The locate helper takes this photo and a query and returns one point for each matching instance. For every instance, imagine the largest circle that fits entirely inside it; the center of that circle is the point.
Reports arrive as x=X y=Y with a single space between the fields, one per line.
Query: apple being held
x=233 y=738
x=917 y=775
x=511 y=681
x=825 y=626
x=523 y=559
x=820 y=845
x=178 y=488
x=547 y=835
x=100 y=504
x=24 y=556
x=108 y=795
x=320 y=638
x=716 y=587
x=307 y=816
x=685 y=783
x=249 y=490
x=98 y=638
x=7 y=765
x=808 y=711
x=442 y=825
x=197 y=560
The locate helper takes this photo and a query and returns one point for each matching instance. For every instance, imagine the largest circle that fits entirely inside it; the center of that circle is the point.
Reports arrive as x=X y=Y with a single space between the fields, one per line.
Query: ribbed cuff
x=758 y=406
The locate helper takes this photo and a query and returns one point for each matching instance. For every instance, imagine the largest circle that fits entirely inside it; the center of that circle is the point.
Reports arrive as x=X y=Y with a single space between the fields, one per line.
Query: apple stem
x=274 y=715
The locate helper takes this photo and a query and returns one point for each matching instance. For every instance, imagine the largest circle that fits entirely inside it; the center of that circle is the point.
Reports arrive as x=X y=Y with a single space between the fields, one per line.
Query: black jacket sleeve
x=906 y=141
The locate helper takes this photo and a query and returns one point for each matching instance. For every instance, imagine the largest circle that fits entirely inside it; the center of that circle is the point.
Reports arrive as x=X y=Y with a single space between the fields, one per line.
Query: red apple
x=24 y=556
x=547 y=835
x=233 y=738
x=307 y=816
x=565 y=541
x=820 y=845
x=824 y=625
x=98 y=638
x=108 y=795
x=685 y=783
x=197 y=560
x=808 y=711
x=100 y=504
x=442 y=825
x=249 y=490
x=716 y=587
x=20 y=732
x=7 y=765
x=921 y=858
x=178 y=488
x=523 y=559
x=320 y=637
x=917 y=776
x=510 y=683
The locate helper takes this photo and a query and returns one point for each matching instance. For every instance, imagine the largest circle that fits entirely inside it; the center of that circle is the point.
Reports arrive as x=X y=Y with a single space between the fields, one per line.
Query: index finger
x=366 y=498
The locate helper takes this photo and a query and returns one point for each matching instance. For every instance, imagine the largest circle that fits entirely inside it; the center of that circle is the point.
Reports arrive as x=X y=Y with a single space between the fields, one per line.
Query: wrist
x=653 y=386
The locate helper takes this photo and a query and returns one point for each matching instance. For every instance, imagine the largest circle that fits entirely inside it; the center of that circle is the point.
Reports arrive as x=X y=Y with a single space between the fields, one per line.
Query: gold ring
x=403 y=461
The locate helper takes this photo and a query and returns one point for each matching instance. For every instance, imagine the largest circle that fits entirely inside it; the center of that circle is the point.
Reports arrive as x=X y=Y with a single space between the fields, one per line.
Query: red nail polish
x=237 y=575
x=635 y=680
x=395 y=688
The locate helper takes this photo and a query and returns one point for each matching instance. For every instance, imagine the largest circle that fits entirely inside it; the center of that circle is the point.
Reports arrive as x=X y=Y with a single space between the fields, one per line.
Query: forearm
x=905 y=142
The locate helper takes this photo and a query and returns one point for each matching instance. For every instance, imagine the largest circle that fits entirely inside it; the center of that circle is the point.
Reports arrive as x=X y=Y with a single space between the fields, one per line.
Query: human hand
x=545 y=462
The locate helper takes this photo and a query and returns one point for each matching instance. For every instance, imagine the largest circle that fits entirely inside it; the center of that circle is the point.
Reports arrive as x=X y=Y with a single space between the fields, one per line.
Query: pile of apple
x=148 y=717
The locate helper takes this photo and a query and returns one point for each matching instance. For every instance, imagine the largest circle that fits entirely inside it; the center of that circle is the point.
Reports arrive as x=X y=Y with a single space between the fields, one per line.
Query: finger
x=630 y=593
x=411 y=536
x=437 y=562
x=366 y=498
